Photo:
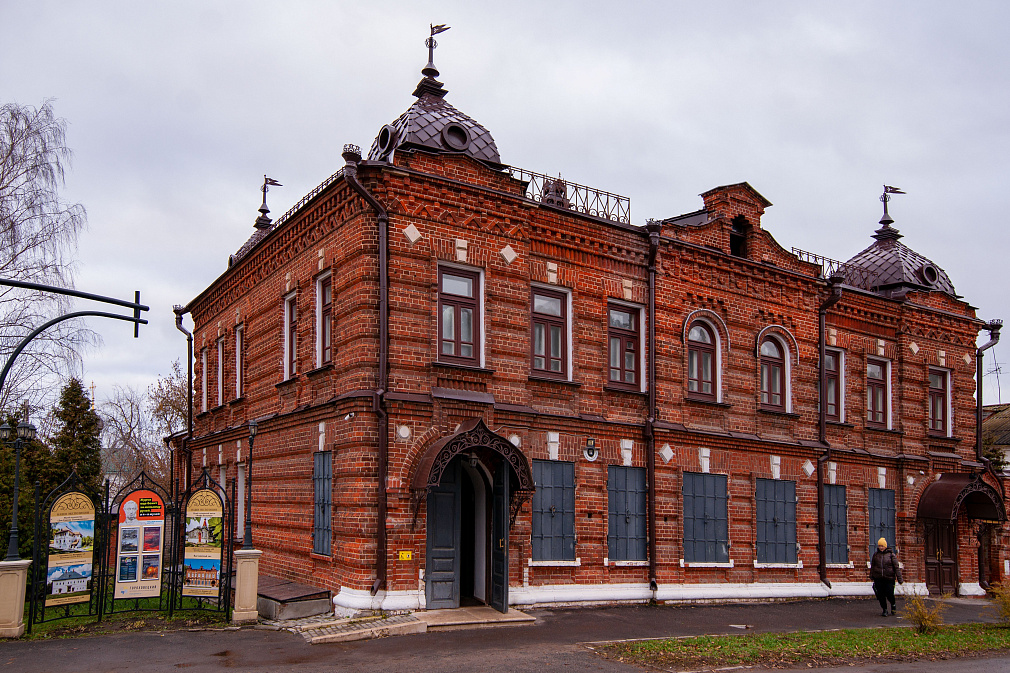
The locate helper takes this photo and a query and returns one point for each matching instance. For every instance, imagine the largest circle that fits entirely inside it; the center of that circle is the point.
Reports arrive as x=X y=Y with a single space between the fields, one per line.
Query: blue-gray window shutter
x=626 y=510
x=836 y=524
x=322 y=486
x=776 y=521
x=706 y=527
x=553 y=511
x=881 y=517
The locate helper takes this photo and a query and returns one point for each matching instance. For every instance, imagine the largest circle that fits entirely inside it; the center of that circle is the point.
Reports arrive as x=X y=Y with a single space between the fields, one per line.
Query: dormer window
x=738 y=237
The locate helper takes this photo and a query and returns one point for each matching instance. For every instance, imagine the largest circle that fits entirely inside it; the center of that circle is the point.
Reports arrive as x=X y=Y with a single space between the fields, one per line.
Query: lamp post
x=25 y=433
x=247 y=543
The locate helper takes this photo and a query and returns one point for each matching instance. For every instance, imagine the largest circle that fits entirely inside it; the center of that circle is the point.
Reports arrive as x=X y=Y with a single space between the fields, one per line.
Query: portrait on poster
x=71 y=547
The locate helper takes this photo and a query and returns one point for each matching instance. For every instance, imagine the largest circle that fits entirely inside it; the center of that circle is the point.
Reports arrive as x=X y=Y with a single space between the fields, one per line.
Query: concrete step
x=398 y=625
x=472 y=617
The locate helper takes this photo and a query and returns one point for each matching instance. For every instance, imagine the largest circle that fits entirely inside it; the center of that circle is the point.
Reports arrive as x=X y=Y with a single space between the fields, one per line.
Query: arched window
x=773 y=375
x=701 y=362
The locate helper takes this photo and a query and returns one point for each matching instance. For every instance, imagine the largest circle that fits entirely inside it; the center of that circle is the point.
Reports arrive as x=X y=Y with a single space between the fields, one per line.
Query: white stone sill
x=554 y=564
x=700 y=564
x=797 y=565
x=625 y=564
x=848 y=565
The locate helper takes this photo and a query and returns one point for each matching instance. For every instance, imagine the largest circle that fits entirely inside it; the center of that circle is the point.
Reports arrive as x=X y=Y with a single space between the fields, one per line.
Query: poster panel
x=71 y=549
x=139 y=555
x=201 y=571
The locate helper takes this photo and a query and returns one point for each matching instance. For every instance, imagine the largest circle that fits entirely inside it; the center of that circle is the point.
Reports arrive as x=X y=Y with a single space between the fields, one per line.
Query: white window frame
x=643 y=328
x=286 y=308
x=568 y=307
x=203 y=379
x=482 y=322
x=786 y=363
x=714 y=330
x=888 y=391
x=220 y=371
x=319 y=317
x=840 y=355
x=949 y=375
x=239 y=359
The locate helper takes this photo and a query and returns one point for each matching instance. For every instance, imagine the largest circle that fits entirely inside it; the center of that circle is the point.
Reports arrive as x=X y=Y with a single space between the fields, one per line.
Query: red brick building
x=476 y=383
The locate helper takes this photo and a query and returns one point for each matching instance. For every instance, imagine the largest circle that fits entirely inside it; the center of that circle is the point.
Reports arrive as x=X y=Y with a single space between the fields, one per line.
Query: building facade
x=473 y=383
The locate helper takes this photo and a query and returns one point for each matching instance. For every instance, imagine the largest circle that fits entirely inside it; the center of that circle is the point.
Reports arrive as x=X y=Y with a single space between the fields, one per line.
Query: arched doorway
x=954 y=498
x=474 y=482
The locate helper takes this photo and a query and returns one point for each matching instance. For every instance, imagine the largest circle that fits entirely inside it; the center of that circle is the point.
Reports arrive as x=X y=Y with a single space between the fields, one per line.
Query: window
x=701 y=359
x=938 y=401
x=239 y=361
x=290 y=336
x=220 y=371
x=833 y=382
x=223 y=478
x=324 y=326
x=881 y=517
x=322 y=486
x=553 y=511
x=776 y=521
x=623 y=336
x=550 y=333
x=876 y=393
x=773 y=375
x=738 y=237
x=626 y=495
x=836 y=525
x=240 y=502
x=706 y=531
x=203 y=379
x=459 y=316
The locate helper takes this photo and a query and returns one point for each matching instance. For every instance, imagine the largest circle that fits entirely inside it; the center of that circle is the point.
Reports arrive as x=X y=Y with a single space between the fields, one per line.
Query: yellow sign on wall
x=406 y=555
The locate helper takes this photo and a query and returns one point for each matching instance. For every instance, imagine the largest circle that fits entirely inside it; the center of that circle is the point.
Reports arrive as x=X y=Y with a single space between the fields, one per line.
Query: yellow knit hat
x=882 y=541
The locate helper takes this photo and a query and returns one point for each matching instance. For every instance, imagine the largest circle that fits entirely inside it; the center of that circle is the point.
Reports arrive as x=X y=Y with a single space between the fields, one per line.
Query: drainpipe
x=352 y=155
x=654 y=228
x=179 y=312
x=834 y=285
x=993 y=327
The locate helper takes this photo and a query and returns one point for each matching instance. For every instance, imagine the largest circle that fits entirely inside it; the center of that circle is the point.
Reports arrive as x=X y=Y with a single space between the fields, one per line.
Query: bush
x=924 y=614
x=1001 y=597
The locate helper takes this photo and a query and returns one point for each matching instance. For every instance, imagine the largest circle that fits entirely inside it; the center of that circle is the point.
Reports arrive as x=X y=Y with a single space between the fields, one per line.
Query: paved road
x=555 y=642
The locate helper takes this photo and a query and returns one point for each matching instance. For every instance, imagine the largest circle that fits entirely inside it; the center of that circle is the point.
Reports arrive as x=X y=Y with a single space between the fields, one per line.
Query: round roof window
x=455 y=137
x=386 y=139
x=929 y=274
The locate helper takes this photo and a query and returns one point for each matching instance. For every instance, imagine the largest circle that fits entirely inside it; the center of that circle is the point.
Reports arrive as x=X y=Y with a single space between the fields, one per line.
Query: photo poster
x=71 y=549
x=141 y=539
x=201 y=571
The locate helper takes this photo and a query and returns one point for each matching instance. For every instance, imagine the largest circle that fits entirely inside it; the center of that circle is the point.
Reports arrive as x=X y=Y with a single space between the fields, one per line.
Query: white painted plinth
x=13 y=575
x=247 y=571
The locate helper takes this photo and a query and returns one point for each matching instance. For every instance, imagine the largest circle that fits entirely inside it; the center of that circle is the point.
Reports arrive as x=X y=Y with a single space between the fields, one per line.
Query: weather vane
x=263 y=221
x=886 y=220
x=430 y=70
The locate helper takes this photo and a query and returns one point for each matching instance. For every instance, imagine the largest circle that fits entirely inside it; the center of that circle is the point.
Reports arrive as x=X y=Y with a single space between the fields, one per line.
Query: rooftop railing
x=562 y=193
x=855 y=276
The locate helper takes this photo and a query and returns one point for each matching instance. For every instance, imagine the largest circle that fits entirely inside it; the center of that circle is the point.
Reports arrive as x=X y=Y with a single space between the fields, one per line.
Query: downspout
x=352 y=155
x=994 y=328
x=179 y=312
x=834 y=285
x=654 y=228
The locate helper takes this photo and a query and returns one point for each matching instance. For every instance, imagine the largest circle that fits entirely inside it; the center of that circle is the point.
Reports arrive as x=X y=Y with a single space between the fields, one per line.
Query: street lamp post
x=25 y=433
x=247 y=543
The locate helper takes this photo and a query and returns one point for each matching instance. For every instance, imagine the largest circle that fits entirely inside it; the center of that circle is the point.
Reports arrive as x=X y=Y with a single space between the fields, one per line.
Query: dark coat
x=884 y=565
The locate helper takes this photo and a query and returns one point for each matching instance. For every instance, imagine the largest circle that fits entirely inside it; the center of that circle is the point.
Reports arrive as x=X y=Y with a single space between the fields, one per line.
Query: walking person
x=884 y=570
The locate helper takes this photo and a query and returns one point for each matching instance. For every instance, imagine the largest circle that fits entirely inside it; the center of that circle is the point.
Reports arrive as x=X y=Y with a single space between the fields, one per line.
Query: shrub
x=1001 y=597
x=924 y=614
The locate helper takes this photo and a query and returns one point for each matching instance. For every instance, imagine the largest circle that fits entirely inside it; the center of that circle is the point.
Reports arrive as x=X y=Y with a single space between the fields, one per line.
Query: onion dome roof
x=892 y=268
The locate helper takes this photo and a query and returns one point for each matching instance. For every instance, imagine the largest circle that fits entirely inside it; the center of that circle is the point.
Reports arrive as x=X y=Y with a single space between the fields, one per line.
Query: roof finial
x=263 y=222
x=886 y=230
x=430 y=70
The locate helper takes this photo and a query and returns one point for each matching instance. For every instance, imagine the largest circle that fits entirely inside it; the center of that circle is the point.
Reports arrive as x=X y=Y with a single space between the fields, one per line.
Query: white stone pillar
x=13 y=575
x=247 y=570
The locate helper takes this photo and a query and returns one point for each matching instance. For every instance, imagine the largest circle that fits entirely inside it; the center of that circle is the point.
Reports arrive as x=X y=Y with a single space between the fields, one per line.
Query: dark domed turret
x=433 y=125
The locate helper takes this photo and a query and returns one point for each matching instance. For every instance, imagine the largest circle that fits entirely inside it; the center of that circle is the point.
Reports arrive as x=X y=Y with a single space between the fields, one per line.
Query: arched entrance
x=474 y=482
x=954 y=497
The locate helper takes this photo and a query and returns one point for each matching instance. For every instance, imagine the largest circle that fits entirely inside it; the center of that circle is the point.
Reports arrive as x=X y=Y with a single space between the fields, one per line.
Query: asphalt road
x=557 y=641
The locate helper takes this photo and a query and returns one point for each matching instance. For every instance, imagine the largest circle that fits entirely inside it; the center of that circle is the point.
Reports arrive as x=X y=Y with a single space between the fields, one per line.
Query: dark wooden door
x=443 y=548
x=941 y=558
x=500 y=539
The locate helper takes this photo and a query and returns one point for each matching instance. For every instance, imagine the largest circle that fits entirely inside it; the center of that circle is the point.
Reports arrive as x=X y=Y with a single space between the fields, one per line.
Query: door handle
x=501 y=543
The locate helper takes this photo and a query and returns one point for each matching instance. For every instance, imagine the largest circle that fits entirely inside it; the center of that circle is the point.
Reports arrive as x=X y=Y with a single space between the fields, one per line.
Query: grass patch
x=119 y=622
x=817 y=648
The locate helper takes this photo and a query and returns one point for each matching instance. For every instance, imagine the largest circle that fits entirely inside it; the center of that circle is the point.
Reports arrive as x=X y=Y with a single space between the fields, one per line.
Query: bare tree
x=38 y=243
x=134 y=425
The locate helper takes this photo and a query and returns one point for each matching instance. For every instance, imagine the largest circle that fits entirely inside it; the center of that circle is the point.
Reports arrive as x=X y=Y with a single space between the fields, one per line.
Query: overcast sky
x=177 y=109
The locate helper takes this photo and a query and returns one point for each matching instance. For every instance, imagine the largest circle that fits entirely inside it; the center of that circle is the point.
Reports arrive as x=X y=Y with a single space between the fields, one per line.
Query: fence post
x=246 y=585
x=13 y=578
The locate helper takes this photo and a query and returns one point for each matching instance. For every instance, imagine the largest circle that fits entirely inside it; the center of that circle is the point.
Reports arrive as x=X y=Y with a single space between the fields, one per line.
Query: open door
x=500 y=539
x=442 y=567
